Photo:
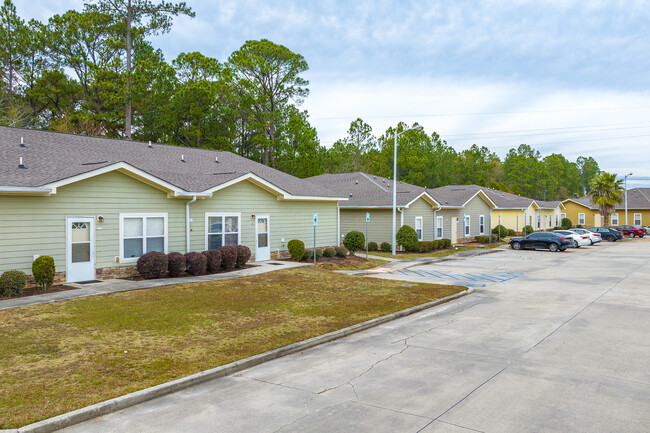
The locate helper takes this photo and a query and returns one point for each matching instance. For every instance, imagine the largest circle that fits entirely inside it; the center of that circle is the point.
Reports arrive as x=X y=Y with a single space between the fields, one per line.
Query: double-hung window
x=637 y=219
x=481 y=224
x=581 y=219
x=467 y=220
x=539 y=221
x=614 y=219
x=439 y=227
x=222 y=230
x=142 y=233
x=418 y=227
x=557 y=222
x=562 y=215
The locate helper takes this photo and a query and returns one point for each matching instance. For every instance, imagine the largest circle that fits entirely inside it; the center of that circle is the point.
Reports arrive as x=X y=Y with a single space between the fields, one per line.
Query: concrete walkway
x=563 y=347
x=116 y=285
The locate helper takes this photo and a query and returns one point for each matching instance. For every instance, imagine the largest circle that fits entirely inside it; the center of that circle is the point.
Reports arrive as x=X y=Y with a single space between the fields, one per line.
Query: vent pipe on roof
x=150 y=145
x=183 y=158
x=22 y=142
x=356 y=181
x=20 y=163
x=216 y=159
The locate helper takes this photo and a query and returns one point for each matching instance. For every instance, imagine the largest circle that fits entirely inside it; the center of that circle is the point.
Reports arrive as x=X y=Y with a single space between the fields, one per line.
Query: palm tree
x=606 y=191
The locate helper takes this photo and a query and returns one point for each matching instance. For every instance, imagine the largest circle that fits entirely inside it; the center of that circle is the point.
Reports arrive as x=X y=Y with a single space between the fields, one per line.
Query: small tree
x=407 y=238
x=296 y=249
x=43 y=270
x=354 y=241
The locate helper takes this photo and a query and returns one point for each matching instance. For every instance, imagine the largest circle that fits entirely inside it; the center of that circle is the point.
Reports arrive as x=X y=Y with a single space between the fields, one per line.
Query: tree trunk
x=127 y=109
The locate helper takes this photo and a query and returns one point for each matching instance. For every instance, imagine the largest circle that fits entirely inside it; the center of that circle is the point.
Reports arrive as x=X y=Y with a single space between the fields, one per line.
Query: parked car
x=594 y=238
x=578 y=239
x=608 y=233
x=542 y=240
x=631 y=231
x=643 y=229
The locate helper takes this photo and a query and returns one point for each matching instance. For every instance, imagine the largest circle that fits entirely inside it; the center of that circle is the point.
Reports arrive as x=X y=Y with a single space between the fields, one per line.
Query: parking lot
x=555 y=342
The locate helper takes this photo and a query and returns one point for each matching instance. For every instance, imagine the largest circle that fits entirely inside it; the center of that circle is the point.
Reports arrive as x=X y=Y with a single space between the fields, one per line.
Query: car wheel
x=632 y=235
x=516 y=246
x=575 y=244
x=591 y=242
x=610 y=238
x=554 y=247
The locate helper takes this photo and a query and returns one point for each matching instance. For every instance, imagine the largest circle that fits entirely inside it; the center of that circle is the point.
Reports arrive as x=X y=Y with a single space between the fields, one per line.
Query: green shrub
x=566 y=223
x=385 y=247
x=485 y=239
x=511 y=232
x=529 y=229
x=319 y=253
x=341 y=252
x=407 y=238
x=427 y=246
x=329 y=252
x=502 y=229
x=152 y=265
x=446 y=243
x=43 y=270
x=354 y=241
x=557 y=228
x=579 y=226
x=296 y=249
x=12 y=283
x=372 y=246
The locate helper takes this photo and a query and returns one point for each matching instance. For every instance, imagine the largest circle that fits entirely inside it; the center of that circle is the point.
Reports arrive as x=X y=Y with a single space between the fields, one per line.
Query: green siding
x=37 y=225
x=379 y=227
x=447 y=215
x=420 y=208
x=477 y=206
x=287 y=219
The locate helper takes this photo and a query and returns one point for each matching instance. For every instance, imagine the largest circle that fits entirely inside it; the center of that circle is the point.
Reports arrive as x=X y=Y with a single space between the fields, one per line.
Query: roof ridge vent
x=20 y=163
x=22 y=142
x=150 y=145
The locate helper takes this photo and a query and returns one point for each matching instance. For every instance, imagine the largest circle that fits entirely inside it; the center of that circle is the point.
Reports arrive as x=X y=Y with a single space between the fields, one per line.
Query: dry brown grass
x=59 y=357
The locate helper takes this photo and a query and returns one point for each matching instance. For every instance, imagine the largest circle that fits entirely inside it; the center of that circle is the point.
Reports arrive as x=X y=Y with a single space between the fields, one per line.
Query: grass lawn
x=434 y=254
x=353 y=266
x=63 y=356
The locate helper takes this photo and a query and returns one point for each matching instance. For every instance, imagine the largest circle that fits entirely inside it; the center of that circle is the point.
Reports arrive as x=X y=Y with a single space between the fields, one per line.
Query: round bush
x=319 y=253
x=446 y=243
x=176 y=264
x=385 y=247
x=43 y=270
x=12 y=282
x=566 y=223
x=341 y=252
x=354 y=241
x=528 y=230
x=213 y=261
x=500 y=228
x=511 y=232
x=407 y=238
x=296 y=249
x=152 y=265
x=372 y=246
x=243 y=255
x=228 y=258
x=196 y=263
x=329 y=252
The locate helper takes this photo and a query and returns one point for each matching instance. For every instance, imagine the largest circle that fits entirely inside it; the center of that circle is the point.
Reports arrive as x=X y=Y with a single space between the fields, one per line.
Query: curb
x=125 y=401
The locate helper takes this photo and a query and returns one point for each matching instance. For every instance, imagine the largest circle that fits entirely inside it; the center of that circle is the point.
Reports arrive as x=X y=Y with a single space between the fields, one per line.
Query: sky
x=563 y=76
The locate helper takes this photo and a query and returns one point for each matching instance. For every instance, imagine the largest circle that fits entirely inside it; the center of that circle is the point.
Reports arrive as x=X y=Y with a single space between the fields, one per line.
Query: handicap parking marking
x=470 y=279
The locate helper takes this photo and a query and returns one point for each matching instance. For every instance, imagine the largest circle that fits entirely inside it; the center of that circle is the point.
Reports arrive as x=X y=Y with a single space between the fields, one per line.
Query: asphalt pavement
x=549 y=342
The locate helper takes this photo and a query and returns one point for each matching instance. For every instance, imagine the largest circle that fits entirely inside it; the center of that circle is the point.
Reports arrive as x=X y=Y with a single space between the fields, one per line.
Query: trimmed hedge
x=486 y=239
x=12 y=282
x=511 y=232
x=176 y=264
x=372 y=246
x=213 y=261
x=407 y=238
x=43 y=270
x=385 y=247
x=296 y=249
x=354 y=241
x=446 y=243
x=329 y=252
x=152 y=265
x=341 y=252
x=243 y=255
x=196 y=263
x=228 y=258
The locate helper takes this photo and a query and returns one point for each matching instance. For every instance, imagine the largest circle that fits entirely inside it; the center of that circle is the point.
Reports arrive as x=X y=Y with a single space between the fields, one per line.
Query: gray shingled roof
x=506 y=200
x=637 y=198
x=52 y=156
x=363 y=190
x=548 y=204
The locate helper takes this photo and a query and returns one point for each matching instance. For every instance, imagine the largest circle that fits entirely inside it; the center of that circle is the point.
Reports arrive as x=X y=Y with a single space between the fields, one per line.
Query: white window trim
x=640 y=219
x=562 y=216
x=481 y=224
x=144 y=229
x=581 y=219
x=615 y=215
x=440 y=225
x=421 y=227
x=539 y=221
x=467 y=230
x=222 y=214
x=557 y=221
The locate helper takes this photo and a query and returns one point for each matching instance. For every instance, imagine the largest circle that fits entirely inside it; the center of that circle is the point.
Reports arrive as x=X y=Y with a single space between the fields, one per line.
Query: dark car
x=631 y=231
x=608 y=233
x=542 y=240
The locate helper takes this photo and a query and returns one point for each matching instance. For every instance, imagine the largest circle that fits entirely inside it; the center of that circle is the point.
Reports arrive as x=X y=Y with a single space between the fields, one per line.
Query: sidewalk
x=117 y=285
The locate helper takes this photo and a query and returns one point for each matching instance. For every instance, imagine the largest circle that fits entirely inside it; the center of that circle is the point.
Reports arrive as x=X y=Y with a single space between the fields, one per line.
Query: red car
x=631 y=231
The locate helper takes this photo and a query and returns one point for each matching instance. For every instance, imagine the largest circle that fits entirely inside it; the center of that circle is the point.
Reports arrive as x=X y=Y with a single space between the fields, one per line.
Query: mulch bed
x=31 y=291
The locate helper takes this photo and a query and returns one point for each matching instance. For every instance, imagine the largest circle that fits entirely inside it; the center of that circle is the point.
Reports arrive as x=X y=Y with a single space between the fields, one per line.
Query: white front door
x=262 y=238
x=454 y=230
x=80 y=249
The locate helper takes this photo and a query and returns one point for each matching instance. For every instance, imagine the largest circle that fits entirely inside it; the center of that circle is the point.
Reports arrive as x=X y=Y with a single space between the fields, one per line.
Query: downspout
x=435 y=224
x=401 y=221
x=338 y=225
x=187 y=222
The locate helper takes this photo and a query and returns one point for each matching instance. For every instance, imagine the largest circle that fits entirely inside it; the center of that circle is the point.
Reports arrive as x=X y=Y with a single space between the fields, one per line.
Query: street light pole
x=629 y=174
x=397 y=134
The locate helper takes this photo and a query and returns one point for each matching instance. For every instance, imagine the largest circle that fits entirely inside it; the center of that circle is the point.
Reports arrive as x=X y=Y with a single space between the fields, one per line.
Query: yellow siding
x=573 y=209
x=514 y=218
